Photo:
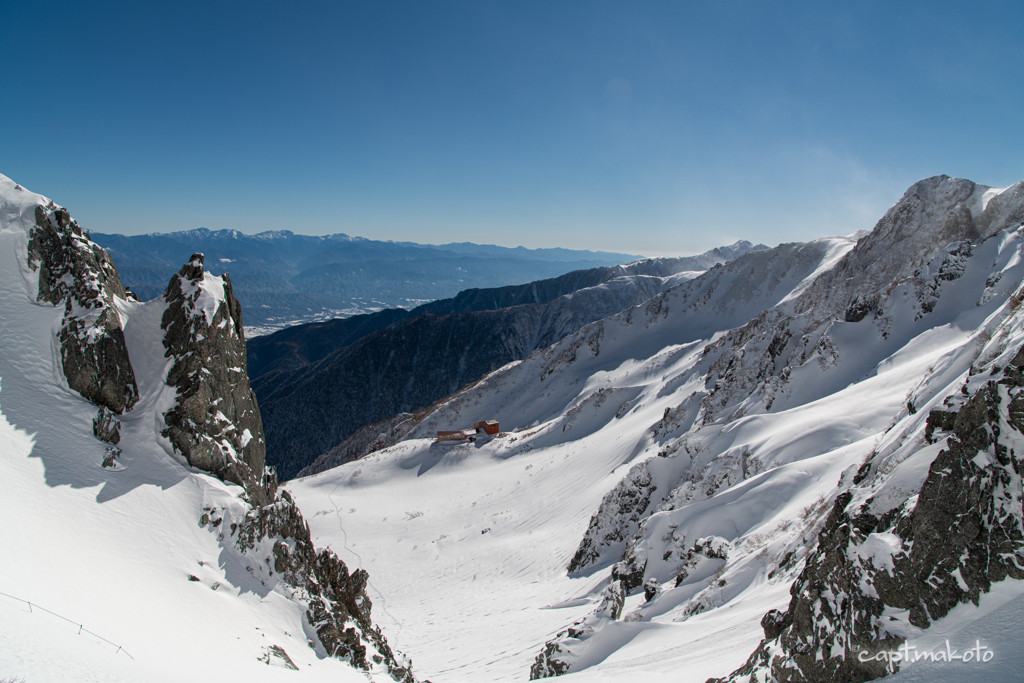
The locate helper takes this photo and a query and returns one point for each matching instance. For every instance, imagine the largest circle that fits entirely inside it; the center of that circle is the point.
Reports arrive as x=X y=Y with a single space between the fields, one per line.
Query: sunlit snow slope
x=728 y=409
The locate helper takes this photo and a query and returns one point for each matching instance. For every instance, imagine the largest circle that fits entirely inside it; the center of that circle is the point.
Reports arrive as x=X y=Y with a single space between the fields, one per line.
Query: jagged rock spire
x=216 y=423
x=77 y=273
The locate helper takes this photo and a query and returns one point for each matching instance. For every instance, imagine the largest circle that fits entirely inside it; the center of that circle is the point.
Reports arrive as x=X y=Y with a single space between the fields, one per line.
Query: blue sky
x=651 y=128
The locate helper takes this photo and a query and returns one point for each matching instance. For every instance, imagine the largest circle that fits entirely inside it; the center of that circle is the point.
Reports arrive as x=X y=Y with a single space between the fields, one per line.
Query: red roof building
x=487 y=426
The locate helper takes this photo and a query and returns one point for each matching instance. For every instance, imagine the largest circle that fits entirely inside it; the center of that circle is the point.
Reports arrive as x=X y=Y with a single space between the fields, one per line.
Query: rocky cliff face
x=78 y=274
x=919 y=242
x=932 y=214
x=338 y=609
x=750 y=367
x=215 y=423
x=554 y=660
x=875 y=573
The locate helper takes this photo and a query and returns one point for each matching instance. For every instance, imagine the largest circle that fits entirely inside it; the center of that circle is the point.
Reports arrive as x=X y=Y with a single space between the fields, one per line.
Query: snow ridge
x=750 y=368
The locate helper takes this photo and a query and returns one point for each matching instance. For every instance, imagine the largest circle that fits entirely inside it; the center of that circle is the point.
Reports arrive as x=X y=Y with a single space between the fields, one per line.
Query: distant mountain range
x=284 y=279
x=299 y=345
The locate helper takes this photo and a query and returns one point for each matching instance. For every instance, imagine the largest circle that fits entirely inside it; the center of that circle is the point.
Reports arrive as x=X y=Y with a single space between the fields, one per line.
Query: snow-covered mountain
x=765 y=472
x=313 y=409
x=762 y=473
x=144 y=540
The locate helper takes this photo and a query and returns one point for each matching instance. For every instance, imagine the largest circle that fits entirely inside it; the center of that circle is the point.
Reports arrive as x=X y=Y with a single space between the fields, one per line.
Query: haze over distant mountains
x=282 y=278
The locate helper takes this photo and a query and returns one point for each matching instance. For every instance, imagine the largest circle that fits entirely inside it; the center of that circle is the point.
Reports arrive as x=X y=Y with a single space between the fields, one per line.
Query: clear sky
x=643 y=127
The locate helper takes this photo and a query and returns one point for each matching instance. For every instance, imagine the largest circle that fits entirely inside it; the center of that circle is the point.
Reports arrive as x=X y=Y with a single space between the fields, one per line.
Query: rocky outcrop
x=215 y=423
x=616 y=520
x=559 y=653
x=932 y=214
x=926 y=245
x=924 y=241
x=276 y=537
x=872 y=575
x=78 y=274
x=106 y=427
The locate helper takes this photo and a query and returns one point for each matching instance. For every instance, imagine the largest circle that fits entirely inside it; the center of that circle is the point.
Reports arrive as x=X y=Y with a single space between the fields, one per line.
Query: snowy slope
x=760 y=389
x=112 y=549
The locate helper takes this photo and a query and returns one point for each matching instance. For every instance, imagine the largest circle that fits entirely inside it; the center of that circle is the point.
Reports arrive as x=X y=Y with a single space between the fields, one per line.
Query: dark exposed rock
x=775 y=622
x=941 y=420
x=278 y=652
x=616 y=519
x=336 y=602
x=106 y=427
x=111 y=456
x=711 y=547
x=215 y=423
x=652 y=588
x=963 y=532
x=629 y=573
x=859 y=308
x=548 y=664
x=77 y=273
x=715 y=547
